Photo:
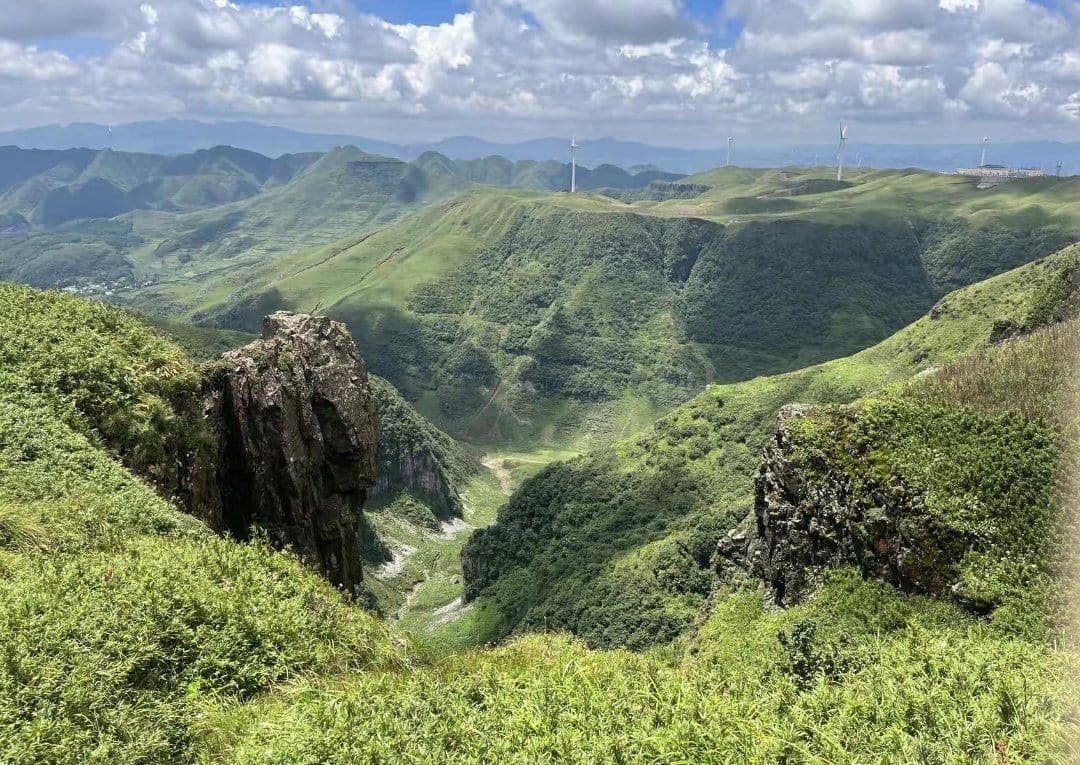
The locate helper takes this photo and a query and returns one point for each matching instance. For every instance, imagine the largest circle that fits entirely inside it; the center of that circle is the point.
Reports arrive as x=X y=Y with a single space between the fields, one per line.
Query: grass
x=130 y=634
x=636 y=523
x=917 y=682
x=120 y=614
x=515 y=318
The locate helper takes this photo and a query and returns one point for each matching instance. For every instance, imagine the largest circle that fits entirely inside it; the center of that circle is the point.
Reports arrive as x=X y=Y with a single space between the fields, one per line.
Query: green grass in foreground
x=129 y=634
x=119 y=615
x=859 y=675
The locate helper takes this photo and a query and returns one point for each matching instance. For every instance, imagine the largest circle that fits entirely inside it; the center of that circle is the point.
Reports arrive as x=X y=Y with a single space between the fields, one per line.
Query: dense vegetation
x=130 y=634
x=416 y=458
x=119 y=614
x=100 y=217
x=512 y=317
x=858 y=675
x=615 y=546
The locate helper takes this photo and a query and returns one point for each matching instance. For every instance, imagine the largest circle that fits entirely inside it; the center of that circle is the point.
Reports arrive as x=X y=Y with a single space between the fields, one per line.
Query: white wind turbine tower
x=574 y=146
x=730 y=144
x=840 y=152
x=985 y=143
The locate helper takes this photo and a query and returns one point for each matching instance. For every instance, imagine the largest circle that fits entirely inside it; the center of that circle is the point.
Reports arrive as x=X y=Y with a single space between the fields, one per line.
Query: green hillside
x=214 y=209
x=528 y=174
x=520 y=317
x=133 y=635
x=615 y=546
x=168 y=217
x=53 y=187
x=119 y=612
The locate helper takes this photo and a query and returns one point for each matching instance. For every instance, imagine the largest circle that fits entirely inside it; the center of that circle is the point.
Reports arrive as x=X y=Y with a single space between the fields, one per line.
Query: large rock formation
x=291 y=447
x=808 y=517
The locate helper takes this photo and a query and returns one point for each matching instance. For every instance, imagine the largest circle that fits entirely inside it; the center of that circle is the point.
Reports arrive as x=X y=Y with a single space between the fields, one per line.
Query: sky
x=673 y=72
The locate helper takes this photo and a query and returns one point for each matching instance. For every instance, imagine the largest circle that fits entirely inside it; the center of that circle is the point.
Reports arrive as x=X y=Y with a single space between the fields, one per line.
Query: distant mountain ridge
x=53 y=186
x=184 y=136
x=87 y=215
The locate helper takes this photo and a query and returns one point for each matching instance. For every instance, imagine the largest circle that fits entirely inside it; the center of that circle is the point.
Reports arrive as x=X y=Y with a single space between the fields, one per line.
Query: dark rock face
x=292 y=438
x=808 y=518
x=420 y=473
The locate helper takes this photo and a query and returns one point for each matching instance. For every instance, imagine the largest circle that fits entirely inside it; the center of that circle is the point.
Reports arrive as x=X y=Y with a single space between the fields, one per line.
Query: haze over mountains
x=185 y=136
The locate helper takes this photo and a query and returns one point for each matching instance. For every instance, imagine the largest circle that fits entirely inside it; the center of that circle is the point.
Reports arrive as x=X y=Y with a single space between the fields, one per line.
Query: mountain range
x=186 y=136
x=749 y=465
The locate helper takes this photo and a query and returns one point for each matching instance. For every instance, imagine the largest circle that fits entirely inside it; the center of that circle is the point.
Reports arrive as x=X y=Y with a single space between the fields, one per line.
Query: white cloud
x=533 y=65
x=624 y=21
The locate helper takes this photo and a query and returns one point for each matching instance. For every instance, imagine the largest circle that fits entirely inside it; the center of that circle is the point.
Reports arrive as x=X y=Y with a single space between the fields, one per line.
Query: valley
x=537 y=382
x=581 y=502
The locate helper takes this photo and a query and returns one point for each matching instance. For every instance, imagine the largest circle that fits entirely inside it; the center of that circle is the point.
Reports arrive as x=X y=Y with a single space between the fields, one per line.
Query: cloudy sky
x=667 y=71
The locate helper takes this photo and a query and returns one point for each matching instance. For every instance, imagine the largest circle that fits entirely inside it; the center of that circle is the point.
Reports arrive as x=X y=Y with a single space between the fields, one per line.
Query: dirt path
x=410 y=597
x=495 y=465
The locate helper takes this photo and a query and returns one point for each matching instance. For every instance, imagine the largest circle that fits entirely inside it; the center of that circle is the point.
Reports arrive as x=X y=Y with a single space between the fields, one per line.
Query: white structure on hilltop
x=574 y=146
x=840 y=152
x=730 y=144
x=995 y=173
x=985 y=143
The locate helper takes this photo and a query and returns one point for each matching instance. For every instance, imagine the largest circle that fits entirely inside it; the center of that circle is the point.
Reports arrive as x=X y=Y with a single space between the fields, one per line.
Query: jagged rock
x=808 y=518
x=291 y=444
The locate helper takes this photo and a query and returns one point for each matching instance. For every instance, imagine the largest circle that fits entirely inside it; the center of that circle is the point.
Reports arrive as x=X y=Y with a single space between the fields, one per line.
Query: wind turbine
x=574 y=146
x=840 y=152
x=985 y=143
x=730 y=144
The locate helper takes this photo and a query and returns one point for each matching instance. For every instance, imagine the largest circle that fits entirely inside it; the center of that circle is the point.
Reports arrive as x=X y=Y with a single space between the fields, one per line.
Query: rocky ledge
x=809 y=517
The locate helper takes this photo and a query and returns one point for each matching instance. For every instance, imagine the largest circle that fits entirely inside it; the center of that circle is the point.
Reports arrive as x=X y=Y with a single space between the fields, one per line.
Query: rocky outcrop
x=416 y=457
x=290 y=444
x=811 y=515
x=421 y=474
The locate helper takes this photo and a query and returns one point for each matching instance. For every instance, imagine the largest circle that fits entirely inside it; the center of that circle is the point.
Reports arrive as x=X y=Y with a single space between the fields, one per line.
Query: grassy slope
x=615 y=546
x=132 y=635
x=511 y=316
x=207 y=215
x=857 y=674
x=120 y=614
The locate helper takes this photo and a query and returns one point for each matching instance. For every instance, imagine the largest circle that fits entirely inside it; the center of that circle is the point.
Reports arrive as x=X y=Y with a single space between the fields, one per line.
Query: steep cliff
x=416 y=457
x=290 y=443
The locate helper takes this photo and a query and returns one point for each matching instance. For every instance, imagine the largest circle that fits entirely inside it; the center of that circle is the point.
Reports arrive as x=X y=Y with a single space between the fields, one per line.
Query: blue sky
x=659 y=70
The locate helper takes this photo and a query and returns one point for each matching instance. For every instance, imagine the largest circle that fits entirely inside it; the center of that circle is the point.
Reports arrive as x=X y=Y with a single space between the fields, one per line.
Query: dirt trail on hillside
x=495 y=465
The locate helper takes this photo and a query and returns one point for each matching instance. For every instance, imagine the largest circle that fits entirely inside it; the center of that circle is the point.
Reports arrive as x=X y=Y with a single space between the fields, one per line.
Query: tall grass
x=1029 y=375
